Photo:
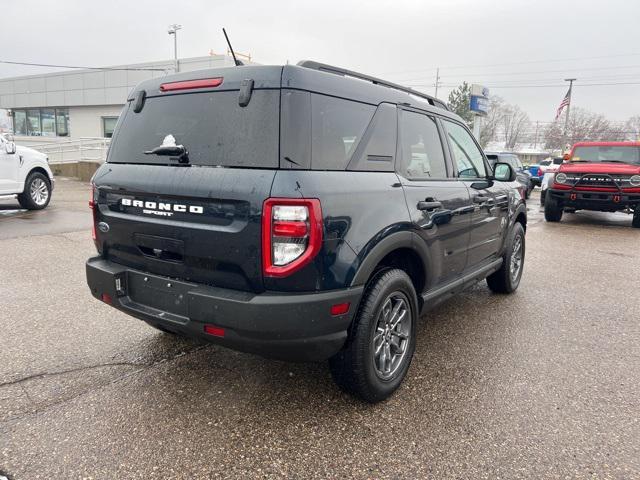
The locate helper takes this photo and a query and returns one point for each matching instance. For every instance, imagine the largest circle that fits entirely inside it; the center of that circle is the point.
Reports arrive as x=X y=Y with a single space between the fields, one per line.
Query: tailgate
x=199 y=224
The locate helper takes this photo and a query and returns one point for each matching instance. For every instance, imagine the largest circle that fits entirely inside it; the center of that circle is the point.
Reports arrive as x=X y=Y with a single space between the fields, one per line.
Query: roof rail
x=376 y=81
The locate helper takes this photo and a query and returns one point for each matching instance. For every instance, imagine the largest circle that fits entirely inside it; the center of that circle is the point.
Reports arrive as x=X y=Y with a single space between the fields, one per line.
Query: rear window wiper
x=170 y=149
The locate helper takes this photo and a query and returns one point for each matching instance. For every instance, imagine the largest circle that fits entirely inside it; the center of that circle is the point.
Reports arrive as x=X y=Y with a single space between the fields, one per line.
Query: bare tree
x=583 y=126
x=515 y=125
x=632 y=128
x=491 y=123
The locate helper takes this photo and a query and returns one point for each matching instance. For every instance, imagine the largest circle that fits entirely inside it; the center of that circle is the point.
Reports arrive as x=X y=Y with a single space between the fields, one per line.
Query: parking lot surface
x=541 y=384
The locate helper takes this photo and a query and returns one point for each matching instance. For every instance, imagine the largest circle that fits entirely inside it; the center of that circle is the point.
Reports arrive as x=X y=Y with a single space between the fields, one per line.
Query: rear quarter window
x=337 y=126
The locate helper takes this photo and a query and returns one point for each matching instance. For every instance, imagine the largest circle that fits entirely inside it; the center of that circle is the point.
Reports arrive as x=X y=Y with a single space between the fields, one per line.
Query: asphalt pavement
x=544 y=383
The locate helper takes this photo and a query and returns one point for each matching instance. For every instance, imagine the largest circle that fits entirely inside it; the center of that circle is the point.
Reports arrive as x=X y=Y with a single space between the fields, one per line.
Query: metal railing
x=84 y=149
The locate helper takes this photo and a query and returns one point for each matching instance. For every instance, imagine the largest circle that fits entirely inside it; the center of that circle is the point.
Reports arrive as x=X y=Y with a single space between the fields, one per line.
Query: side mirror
x=10 y=147
x=566 y=157
x=503 y=172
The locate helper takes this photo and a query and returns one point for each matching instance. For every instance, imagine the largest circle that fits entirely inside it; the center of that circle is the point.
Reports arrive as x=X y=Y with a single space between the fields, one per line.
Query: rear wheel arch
x=399 y=250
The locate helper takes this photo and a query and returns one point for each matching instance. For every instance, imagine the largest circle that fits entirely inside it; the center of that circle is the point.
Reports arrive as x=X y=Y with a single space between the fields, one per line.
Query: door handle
x=484 y=201
x=429 y=206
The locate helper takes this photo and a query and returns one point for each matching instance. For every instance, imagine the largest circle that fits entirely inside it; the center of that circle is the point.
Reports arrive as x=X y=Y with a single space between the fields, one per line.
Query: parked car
x=599 y=176
x=547 y=179
x=537 y=171
x=25 y=172
x=299 y=212
x=522 y=174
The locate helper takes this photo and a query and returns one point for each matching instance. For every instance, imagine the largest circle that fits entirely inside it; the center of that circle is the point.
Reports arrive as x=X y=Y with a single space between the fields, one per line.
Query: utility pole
x=173 y=30
x=566 y=120
x=437 y=81
x=535 y=141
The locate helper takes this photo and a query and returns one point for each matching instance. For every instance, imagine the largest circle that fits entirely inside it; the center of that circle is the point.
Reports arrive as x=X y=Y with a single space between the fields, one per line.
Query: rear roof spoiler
x=368 y=78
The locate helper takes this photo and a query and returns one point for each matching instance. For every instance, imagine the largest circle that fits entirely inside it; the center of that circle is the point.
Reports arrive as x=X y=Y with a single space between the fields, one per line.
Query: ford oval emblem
x=103 y=227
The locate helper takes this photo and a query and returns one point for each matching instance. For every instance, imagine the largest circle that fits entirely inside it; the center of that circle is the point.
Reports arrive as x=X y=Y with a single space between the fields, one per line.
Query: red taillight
x=106 y=298
x=339 y=309
x=540 y=173
x=191 y=84
x=291 y=234
x=214 y=331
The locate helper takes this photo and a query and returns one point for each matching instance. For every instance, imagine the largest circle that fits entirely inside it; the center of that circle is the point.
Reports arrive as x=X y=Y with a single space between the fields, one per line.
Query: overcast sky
x=504 y=44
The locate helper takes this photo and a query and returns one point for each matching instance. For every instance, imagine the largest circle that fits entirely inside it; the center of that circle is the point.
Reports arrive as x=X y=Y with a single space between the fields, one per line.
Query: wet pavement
x=540 y=384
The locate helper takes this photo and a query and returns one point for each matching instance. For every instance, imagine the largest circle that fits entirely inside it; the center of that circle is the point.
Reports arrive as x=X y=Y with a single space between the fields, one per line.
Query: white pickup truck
x=25 y=172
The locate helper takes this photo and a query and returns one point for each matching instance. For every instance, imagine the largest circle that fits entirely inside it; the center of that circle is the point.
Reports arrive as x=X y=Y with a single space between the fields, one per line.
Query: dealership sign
x=479 y=99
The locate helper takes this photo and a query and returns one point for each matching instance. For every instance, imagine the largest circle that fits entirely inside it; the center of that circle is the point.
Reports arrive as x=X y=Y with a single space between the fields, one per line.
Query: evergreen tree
x=459 y=99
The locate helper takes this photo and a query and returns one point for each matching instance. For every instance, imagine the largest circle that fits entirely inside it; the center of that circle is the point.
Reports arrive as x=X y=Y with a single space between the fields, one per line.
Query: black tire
x=507 y=280
x=542 y=195
x=37 y=192
x=635 y=223
x=356 y=368
x=552 y=210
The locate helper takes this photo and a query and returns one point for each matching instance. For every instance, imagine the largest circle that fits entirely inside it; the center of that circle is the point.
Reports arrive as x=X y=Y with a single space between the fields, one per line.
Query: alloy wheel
x=39 y=191
x=392 y=336
x=516 y=258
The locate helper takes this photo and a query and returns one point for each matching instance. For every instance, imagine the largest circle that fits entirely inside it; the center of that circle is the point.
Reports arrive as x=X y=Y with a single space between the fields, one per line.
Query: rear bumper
x=593 y=200
x=295 y=327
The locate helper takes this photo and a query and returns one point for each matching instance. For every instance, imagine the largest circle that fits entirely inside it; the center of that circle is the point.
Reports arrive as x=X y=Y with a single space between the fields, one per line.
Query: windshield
x=619 y=153
x=213 y=128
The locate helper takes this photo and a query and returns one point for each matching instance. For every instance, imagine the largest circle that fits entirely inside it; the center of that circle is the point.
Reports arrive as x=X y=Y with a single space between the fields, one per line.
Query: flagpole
x=566 y=120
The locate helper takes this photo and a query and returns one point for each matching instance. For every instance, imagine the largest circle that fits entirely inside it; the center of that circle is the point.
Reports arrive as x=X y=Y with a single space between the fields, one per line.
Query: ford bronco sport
x=299 y=212
x=600 y=176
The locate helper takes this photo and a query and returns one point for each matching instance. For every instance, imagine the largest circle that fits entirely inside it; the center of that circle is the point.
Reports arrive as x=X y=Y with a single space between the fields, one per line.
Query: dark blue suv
x=299 y=212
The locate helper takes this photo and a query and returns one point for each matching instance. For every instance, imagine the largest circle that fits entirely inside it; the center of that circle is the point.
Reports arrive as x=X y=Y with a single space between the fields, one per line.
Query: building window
x=108 y=125
x=19 y=122
x=33 y=123
x=37 y=122
x=62 y=122
x=48 y=121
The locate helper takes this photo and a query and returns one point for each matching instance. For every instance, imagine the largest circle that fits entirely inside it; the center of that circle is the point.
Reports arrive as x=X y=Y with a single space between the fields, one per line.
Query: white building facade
x=81 y=104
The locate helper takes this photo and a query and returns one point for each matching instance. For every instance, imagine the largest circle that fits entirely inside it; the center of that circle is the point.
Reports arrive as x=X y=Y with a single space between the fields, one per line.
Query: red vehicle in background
x=599 y=176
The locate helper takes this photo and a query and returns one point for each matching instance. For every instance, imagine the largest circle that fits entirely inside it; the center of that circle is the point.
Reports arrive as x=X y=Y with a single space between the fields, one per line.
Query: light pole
x=566 y=120
x=173 y=30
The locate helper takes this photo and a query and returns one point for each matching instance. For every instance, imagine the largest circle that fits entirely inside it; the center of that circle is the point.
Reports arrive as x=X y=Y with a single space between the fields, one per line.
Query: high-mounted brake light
x=191 y=84
x=291 y=234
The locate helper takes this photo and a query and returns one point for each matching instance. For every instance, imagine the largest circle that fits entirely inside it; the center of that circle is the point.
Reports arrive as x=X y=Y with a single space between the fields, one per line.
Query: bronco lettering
x=152 y=208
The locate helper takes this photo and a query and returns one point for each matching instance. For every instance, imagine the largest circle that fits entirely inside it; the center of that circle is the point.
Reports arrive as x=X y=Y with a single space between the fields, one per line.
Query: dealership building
x=74 y=105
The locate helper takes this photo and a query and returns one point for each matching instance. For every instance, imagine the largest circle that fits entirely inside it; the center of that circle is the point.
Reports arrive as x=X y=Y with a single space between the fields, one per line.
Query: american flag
x=565 y=101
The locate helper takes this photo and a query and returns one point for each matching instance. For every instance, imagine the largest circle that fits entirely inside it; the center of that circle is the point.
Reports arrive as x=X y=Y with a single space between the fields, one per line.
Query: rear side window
x=422 y=156
x=215 y=130
x=337 y=126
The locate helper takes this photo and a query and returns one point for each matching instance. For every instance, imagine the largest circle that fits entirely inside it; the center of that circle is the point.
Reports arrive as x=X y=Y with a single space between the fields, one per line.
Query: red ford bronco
x=600 y=176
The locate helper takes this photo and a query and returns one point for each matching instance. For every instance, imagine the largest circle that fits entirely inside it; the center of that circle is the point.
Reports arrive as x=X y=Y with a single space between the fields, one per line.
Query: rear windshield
x=620 y=153
x=214 y=129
